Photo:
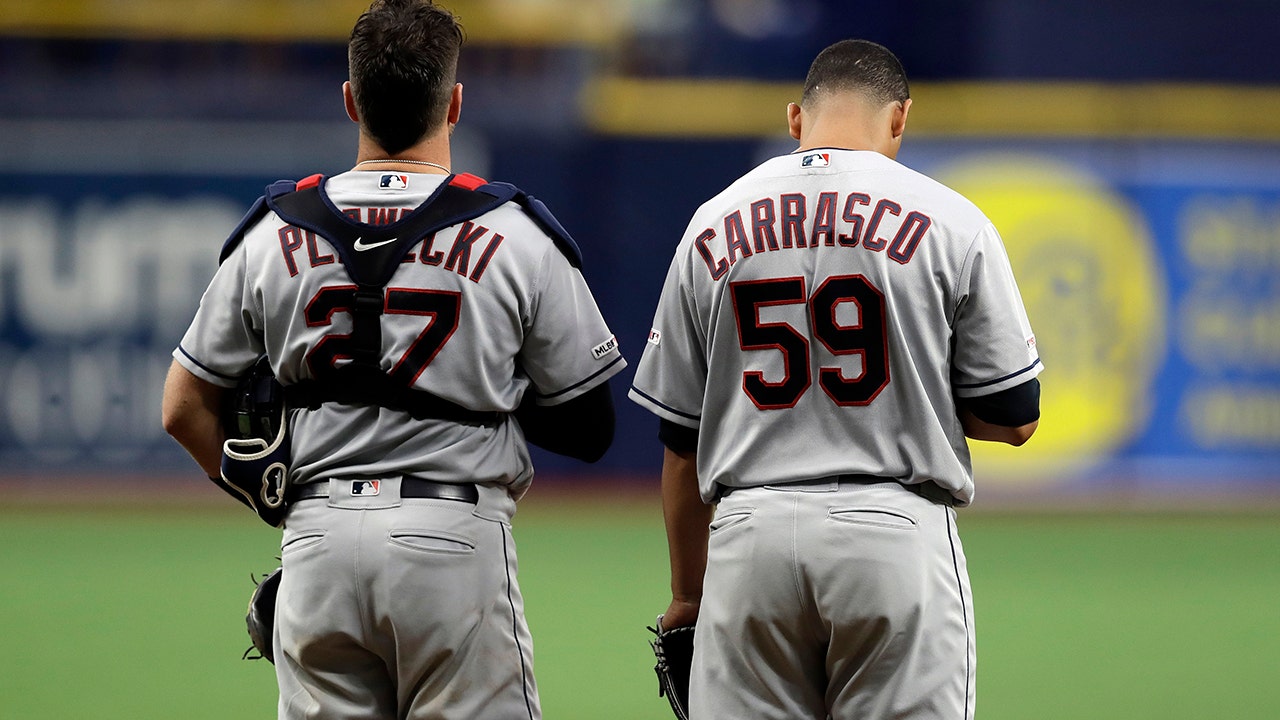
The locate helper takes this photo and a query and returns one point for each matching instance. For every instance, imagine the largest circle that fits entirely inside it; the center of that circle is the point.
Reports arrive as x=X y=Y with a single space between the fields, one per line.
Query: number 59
x=866 y=338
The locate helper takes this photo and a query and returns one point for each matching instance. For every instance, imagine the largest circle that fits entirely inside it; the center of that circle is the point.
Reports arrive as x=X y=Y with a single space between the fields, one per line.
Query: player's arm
x=1010 y=416
x=191 y=414
x=688 y=520
x=580 y=428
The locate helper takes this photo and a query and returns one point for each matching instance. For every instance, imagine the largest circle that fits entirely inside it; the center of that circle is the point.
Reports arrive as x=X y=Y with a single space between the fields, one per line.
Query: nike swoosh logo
x=361 y=245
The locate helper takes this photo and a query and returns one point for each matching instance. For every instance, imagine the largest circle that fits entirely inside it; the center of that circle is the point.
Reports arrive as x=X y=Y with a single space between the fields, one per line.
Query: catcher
x=424 y=326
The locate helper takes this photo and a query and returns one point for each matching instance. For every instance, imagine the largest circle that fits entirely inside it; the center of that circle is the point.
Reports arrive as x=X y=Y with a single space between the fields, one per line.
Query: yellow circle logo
x=1085 y=263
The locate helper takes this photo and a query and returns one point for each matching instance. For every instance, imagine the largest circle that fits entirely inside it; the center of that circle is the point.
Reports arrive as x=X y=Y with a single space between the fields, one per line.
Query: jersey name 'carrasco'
x=840 y=220
x=467 y=253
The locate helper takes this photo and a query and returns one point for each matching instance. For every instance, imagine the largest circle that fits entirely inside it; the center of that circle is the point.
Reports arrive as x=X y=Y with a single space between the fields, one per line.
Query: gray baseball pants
x=841 y=600
x=402 y=608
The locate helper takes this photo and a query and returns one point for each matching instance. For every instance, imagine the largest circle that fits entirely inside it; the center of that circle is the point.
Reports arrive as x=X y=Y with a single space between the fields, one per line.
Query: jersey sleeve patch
x=605 y=347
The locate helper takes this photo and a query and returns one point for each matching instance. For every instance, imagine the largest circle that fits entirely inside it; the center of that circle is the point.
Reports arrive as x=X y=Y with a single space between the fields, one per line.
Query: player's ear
x=349 y=99
x=897 y=127
x=793 y=120
x=900 y=119
x=455 y=105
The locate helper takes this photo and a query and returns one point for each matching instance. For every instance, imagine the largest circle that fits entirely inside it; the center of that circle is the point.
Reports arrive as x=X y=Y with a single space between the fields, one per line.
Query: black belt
x=410 y=487
x=928 y=489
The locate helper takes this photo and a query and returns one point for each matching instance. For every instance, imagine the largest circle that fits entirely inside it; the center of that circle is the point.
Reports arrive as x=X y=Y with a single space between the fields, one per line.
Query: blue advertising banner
x=99 y=277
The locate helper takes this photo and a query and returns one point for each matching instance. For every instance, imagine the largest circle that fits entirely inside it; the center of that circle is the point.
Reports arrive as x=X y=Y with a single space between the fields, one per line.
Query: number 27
x=443 y=308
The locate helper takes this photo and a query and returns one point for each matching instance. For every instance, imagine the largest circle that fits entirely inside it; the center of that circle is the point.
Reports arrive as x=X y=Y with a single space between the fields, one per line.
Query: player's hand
x=680 y=613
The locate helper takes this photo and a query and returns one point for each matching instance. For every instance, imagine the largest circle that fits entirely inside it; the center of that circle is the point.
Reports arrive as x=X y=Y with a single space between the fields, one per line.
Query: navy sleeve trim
x=582 y=382
x=204 y=367
x=999 y=380
x=664 y=406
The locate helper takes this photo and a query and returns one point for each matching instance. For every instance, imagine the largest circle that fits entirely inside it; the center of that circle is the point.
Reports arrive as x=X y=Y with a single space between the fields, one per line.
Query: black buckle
x=369 y=302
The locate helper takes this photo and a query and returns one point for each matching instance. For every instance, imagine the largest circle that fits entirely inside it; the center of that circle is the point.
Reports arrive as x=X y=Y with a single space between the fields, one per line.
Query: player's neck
x=888 y=151
x=849 y=124
x=433 y=149
x=846 y=136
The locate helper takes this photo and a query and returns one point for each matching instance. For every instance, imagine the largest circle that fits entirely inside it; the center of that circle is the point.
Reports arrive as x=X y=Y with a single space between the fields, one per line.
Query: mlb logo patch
x=366 y=488
x=604 y=348
x=394 y=182
x=816 y=160
x=655 y=337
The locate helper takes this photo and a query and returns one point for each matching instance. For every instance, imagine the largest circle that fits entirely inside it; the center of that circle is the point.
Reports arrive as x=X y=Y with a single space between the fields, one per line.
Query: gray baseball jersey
x=524 y=320
x=800 y=331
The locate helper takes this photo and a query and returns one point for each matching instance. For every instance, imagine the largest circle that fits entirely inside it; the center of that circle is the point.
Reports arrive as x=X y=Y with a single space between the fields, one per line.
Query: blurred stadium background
x=1129 y=151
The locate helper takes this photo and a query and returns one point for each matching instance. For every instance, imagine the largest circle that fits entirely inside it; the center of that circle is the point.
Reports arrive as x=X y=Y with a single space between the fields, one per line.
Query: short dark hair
x=860 y=66
x=403 y=61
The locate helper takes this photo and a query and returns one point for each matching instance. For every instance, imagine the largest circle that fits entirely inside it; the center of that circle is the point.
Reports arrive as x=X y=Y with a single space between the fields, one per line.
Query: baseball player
x=832 y=327
x=417 y=363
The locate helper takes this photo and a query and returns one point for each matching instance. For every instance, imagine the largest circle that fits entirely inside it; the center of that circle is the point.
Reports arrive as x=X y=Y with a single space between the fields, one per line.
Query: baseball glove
x=255 y=456
x=674 y=650
x=261 y=617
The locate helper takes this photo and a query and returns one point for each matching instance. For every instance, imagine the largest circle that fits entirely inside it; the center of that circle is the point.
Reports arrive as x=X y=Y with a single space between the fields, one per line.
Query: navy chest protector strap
x=370 y=255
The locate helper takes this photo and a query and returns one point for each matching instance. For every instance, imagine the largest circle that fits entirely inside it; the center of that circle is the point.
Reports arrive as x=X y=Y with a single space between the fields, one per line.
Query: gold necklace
x=408 y=162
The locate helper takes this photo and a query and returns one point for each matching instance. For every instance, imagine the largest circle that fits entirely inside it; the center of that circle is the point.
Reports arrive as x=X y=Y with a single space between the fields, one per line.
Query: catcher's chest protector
x=370 y=255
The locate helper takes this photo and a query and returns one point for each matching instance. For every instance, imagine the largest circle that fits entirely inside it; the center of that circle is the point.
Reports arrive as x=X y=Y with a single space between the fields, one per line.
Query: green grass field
x=138 y=614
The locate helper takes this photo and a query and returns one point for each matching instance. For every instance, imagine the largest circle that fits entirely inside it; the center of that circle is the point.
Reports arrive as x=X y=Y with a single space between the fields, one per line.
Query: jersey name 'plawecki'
x=771 y=224
x=470 y=237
